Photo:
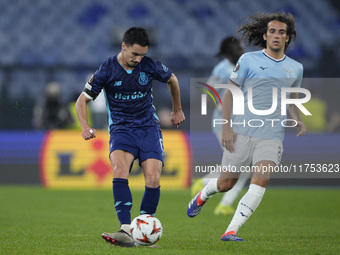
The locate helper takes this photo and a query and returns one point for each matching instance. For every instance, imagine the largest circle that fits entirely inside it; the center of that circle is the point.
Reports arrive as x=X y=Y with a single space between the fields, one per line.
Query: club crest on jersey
x=288 y=72
x=236 y=67
x=143 y=79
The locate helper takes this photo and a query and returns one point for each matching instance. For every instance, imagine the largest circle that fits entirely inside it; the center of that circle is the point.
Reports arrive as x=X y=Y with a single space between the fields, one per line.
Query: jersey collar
x=127 y=71
x=276 y=60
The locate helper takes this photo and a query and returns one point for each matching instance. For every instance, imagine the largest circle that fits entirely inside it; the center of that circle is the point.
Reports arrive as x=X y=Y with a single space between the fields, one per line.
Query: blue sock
x=150 y=200
x=123 y=199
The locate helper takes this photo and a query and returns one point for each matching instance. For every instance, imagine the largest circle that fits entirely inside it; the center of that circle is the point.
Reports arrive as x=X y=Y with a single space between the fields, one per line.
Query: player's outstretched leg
x=120 y=238
x=196 y=204
x=230 y=236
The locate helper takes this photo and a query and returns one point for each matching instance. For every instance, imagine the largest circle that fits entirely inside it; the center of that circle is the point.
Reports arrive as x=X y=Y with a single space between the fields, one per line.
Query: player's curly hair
x=254 y=30
x=136 y=35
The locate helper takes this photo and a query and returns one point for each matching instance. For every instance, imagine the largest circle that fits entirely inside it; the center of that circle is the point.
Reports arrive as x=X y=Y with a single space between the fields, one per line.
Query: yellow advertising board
x=68 y=161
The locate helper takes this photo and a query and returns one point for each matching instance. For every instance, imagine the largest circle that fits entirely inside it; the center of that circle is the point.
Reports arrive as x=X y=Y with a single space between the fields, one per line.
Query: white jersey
x=261 y=73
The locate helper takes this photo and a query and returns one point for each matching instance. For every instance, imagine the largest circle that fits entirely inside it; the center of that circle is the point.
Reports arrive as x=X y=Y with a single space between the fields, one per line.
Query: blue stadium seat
x=74 y=33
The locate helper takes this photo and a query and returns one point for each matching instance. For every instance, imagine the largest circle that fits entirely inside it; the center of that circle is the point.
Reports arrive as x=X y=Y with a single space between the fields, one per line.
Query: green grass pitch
x=34 y=220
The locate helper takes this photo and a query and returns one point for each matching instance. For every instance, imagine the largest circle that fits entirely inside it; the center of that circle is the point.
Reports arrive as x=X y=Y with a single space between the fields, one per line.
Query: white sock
x=125 y=227
x=246 y=207
x=230 y=196
x=209 y=190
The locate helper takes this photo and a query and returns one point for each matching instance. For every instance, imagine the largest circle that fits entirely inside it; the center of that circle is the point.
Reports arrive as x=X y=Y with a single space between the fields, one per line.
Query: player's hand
x=302 y=128
x=88 y=133
x=228 y=138
x=177 y=117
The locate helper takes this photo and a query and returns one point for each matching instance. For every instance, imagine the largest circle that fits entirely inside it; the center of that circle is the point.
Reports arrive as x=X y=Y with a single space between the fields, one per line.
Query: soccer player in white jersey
x=231 y=50
x=263 y=71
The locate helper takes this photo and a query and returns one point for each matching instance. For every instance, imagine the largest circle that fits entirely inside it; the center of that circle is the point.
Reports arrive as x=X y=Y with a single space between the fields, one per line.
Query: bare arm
x=177 y=115
x=296 y=115
x=81 y=109
x=228 y=135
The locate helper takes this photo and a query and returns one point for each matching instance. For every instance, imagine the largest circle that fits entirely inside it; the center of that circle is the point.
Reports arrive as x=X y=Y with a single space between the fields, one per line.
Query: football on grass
x=146 y=229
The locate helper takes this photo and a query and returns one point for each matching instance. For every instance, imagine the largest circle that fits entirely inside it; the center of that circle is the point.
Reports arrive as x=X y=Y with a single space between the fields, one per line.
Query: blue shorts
x=143 y=143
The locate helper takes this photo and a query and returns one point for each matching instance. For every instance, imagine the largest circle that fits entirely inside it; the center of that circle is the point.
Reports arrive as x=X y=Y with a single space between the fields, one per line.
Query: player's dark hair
x=226 y=46
x=136 y=35
x=257 y=27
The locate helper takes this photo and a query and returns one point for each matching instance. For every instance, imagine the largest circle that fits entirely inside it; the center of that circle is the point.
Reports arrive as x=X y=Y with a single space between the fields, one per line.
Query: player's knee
x=119 y=171
x=224 y=185
x=152 y=181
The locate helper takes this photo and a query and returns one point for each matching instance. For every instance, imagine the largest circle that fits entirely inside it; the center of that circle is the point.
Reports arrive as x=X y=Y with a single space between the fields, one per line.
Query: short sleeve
x=97 y=81
x=297 y=83
x=240 y=72
x=162 y=72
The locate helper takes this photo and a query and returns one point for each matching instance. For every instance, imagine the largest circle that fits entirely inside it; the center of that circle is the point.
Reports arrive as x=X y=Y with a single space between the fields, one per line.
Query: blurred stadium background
x=44 y=41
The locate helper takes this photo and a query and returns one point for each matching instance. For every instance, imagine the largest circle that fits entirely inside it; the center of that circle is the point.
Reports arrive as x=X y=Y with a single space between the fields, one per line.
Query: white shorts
x=248 y=151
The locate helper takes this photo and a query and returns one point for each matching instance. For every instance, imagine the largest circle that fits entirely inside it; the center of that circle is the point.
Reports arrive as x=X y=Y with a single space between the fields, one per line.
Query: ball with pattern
x=146 y=229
